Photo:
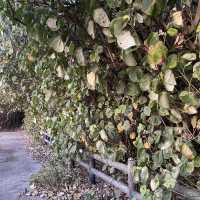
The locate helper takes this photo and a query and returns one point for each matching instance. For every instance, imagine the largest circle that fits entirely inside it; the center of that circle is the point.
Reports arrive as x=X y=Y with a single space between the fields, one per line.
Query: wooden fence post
x=131 y=185
x=92 y=177
x=71 y=163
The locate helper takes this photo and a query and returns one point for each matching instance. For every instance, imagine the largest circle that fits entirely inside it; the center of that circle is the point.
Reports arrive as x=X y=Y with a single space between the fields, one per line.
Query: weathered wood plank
x=131 y=184
x=120 y=166
x=117 y=184
x=91 y=174
x=187 y=193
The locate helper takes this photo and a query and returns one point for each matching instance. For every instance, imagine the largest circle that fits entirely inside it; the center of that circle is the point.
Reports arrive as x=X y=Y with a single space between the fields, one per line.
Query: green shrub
x=120 y=78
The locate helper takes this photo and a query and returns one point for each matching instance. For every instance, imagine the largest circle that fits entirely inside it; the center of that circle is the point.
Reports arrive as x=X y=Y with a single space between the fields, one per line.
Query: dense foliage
x=117 y=77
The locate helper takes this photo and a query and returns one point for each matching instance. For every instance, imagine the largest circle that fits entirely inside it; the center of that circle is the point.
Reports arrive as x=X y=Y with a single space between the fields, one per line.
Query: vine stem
x=196 y=19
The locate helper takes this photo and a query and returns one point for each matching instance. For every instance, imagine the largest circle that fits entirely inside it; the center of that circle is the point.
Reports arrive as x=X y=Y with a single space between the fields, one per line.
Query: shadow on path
x=16 y=165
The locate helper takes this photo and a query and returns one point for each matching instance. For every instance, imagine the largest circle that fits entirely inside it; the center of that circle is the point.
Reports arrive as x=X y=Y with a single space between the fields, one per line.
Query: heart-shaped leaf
x=91 y=80
x=186 y=151
x=52 y=24
x=118 y=24
x=156 y=54
x=125 y=40
x=169 y=80
x=101 y=18
x=80 y=57
x=57 y=44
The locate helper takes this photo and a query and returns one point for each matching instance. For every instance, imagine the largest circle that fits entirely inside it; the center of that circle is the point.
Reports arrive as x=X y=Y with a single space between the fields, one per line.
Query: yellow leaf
x=132 y=135
x=177 y=18
x=91 y=80
x=147 y=145
x=186 y=151
x=120 y=127
x=194 y=121
x=130 y=116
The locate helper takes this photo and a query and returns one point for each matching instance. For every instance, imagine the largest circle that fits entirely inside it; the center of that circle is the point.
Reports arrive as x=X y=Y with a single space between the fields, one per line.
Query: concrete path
x=16 y=165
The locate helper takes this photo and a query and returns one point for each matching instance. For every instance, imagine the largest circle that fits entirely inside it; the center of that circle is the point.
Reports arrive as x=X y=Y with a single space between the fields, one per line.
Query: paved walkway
x=16 y=165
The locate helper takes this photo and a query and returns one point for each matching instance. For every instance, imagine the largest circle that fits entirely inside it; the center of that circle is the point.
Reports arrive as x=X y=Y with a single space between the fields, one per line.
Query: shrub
x=120 y=78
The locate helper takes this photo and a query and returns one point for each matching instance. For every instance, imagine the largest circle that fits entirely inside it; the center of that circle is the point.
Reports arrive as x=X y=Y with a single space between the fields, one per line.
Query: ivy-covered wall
x=116 y=77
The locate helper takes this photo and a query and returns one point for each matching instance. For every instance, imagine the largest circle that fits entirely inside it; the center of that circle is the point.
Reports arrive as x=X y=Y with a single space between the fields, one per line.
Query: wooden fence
x=184 y=191
x=128 y=188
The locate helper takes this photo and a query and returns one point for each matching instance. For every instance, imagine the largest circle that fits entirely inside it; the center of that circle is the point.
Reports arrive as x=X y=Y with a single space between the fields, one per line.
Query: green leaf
x=140 y=128
x=163 y=100
x=57 y=44
x=126 y=125
x=157 y=158
x=129 y=1
x=153 y=96
x=146 y=194
x=155 y=120
x=60 y=72
x=136 y=173
x=191 y=110
x=52 y=24
x=114 y=3
x=167 y=195
x=152 y=39
x=148 y=6
x=103 y=135
x=189 y=56
x=169 y=181
x=197 y=161
x=172 y=32
x=147 y=111
x=198 y=29
x=101 y=147
x=118 y=24
x=172 y=61
x=144 y=175
x=156 y=54
x=158 y=194
x=176 y=159
x=154 y=183
x=133 y=89
x=80 y=57
x=109 y=113
x=90 y=29
x=189 y=167
x=91 y=80
x=196 y=71
x=135 y=74
x=145 y=82
x=129 y=59
x=175 y=116
x=188 y=98
x=167 y=144
x=120 y=87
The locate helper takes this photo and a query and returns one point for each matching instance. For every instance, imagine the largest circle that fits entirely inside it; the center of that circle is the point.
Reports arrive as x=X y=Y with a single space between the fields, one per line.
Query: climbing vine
x=116 y=77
